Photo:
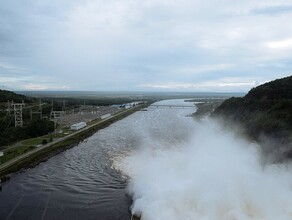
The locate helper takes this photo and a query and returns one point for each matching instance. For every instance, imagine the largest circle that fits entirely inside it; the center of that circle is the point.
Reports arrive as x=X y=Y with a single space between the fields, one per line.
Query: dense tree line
x=33 y=128
x=275 y=90
x=265 y=110
x=11 y=96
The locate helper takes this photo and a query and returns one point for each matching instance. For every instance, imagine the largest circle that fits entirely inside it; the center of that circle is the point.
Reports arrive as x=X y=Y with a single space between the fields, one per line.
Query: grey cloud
x=272 y=10
x=112 y=45
x=13 y=69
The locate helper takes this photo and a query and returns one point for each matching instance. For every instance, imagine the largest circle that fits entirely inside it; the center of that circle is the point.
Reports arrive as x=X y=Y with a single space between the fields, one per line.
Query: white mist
x=209 y=175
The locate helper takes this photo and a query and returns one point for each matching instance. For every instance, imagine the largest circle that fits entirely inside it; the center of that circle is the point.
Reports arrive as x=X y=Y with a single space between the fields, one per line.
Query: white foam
x=208 y=174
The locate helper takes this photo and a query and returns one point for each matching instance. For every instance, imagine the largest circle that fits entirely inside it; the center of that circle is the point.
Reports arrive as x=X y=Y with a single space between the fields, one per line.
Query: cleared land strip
x=14 y=161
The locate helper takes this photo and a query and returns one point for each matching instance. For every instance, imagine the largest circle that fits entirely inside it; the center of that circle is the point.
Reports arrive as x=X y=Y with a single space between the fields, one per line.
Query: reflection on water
x=77 y=184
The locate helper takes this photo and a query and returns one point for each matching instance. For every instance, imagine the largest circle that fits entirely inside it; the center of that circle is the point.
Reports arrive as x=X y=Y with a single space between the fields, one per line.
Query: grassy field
x=14 y=152
x=35 y=141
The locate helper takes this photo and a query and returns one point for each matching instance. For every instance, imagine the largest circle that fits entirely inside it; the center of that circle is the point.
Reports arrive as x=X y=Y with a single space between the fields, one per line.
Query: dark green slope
x=277 y=89
x=265 y=110
x=11 y=96
x=32 y=128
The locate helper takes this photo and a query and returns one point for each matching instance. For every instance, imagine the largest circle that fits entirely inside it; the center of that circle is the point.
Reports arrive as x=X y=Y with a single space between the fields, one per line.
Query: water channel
x=82 y=182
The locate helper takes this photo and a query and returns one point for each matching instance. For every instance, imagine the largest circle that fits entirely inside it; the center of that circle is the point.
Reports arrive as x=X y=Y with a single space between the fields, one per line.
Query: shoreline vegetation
x=206 y=107
x=36 y=156
x=264 y=115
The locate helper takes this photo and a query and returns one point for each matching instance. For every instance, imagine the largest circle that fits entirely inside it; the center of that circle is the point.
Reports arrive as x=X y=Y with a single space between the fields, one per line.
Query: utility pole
x=18 y=113
x=8 y=108
x=64 y=105
x=54 y=115
x=41 y=108
x=40 y=111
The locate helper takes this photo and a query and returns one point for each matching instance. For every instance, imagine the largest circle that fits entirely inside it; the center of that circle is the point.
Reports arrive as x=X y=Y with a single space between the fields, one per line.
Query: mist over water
x=173 y=167
x=182 y=169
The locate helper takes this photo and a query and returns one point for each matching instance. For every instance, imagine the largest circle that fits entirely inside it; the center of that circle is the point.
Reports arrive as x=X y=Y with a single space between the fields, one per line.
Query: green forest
x=265 y=111
x=32 y=127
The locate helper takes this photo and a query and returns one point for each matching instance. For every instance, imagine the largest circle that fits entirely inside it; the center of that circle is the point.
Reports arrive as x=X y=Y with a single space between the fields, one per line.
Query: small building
x=117 y=106
x=128 y=105
x=78 y=126
x=105 y=116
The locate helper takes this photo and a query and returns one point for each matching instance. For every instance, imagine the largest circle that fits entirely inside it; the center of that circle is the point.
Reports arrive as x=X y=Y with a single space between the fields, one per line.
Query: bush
x=39 y=127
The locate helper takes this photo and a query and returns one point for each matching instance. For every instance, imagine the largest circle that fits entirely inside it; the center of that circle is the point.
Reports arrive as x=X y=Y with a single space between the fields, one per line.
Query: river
x=82 y=182
x=157 y=163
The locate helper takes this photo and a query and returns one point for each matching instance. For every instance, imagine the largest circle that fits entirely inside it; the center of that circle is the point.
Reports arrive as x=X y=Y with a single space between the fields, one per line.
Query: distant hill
x=277 y=89
x=9 y=96
x=265 y=110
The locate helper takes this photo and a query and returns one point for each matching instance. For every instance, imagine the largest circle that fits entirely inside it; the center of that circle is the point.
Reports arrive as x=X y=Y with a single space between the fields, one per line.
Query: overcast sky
x=141 y=45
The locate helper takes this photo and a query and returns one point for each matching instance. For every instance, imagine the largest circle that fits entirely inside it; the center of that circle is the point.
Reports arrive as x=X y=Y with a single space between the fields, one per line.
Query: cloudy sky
x=141 y=45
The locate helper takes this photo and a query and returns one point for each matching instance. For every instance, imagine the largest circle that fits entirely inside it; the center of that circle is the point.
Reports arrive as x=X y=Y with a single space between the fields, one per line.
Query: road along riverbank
x=47 y=151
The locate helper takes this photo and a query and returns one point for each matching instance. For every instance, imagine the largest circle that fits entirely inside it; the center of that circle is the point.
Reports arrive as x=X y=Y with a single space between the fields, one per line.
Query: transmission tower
x=39 y=112
x=18 y=113
x=8 y=108
x=54 y=116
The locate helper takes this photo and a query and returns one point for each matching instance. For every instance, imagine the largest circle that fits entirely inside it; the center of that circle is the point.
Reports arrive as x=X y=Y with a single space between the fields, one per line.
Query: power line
x=18 y=114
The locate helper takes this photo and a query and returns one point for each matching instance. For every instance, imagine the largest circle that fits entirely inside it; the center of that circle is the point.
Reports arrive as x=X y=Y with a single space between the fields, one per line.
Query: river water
x=82 y=182
x=170 y=165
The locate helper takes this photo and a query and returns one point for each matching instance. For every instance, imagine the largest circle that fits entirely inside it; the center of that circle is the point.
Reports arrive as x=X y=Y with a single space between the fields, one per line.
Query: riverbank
x=45 y=152
x=205 y=108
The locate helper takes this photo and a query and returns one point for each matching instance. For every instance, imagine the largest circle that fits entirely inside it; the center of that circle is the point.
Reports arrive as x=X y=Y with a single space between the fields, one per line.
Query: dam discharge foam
x=198 y=171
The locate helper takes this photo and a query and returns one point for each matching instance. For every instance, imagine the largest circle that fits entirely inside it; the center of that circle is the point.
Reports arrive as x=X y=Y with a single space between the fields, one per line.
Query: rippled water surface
x=81 y=182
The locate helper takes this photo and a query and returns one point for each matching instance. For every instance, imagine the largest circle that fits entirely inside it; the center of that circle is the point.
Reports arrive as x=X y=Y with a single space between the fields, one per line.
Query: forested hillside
x=11 y=96
x=265 y=110
x=32 y=128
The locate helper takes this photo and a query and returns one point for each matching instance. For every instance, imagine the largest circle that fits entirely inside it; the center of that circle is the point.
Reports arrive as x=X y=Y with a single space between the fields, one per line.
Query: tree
x=39 y=127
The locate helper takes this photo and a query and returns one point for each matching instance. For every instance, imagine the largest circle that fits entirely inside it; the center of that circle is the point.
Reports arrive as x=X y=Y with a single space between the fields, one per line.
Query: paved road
x=28 y=154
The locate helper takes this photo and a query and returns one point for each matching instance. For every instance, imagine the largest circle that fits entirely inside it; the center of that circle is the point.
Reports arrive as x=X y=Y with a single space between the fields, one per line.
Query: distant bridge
x=172 y=106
